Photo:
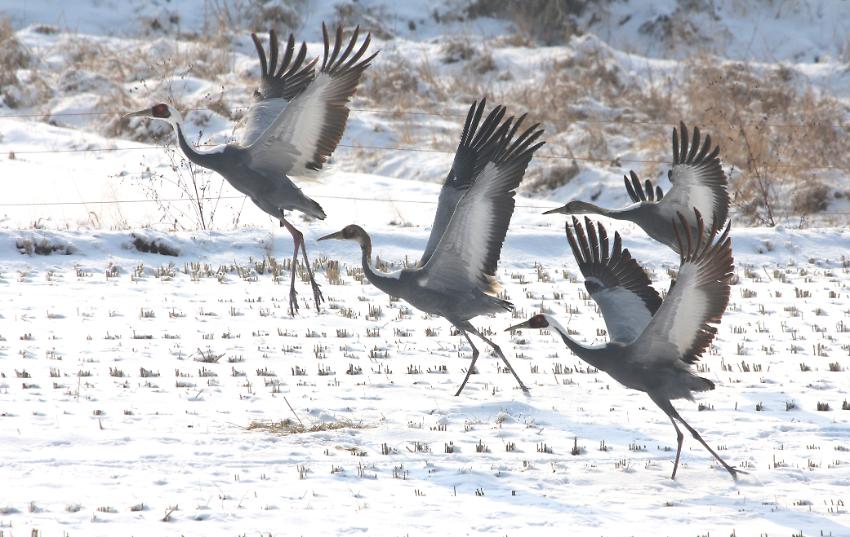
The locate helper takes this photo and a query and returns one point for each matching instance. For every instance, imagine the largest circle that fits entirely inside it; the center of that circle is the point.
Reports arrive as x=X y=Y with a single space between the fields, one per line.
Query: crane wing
x=682 y=328
x=614 y=280
x=288 y=78
x=468 y=251
x=280 y=82
x=305 y=132
x=475 y=149
x=645 y=193
x=698 y=181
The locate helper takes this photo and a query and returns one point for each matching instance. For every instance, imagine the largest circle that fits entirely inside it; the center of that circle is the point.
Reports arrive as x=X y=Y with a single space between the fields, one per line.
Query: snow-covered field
x=147 y=394
x=131 y=382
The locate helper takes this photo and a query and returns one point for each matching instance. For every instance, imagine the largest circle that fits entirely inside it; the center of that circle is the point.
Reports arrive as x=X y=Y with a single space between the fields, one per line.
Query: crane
x=698 y=182
x=294 y=125
x=455 y=277
x=653 y=343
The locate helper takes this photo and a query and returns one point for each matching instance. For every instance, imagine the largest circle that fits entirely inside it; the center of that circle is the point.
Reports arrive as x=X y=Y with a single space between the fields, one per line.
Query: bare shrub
x=812 y=198
x=484 y=63
x=677 y=31
x=462 y=50
x=777 y=135
x=35 y=245
x=456 y=50
x=550 y=177
x=582 y=77
x=153 y=245
x=234 y=16
x=368 y=18
x=547 y=21
x=392 y=82
x=782 y=140
x=288 y=426
x=199 y=187
x=13 y=56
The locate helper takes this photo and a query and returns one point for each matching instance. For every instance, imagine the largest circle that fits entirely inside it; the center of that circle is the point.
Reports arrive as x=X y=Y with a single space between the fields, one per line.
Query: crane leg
x=679 y=439
x=672 y=413
x=501 y=355
x=471 y=365
x=317 y=293
x=298 y=239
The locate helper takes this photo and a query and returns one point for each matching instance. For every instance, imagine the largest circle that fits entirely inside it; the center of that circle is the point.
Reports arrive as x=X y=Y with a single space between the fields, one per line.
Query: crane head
x=157 y=111
x=538 y=321
x=351 y=233
x=573 y=207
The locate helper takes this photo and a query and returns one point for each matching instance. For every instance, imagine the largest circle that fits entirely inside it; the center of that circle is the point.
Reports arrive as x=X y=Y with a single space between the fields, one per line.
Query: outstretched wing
x=638 y=194
x=683 y=327
x=279 y=83
x=614 y=280
x=698 y=181
x=468 y=252
x=306 y=131
x=475 y=149
x=287 y=79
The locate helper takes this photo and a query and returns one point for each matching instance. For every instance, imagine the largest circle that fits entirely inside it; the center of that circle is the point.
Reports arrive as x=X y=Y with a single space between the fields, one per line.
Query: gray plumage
x=294 y=125
x=653 y=346
x=698 y=183
x=456 y=275
x=615 y=281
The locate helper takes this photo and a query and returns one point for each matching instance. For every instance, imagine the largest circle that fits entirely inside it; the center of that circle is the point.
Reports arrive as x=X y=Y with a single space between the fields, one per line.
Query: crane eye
x=160 y=110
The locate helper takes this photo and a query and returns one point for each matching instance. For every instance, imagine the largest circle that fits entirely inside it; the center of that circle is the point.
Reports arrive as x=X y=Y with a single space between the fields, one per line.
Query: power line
x=319 y=196
x=609 y=160
x=764 y=122
x=227 y=197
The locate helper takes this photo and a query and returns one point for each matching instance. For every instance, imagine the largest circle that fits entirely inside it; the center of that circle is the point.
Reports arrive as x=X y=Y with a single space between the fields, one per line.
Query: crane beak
x=141 y=113
x=337 y=235
x=562 y=210
x=523 y=324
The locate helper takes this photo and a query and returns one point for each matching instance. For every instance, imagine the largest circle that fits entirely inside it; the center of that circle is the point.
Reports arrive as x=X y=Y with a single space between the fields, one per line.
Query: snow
x=130 y=380
x=101 y=443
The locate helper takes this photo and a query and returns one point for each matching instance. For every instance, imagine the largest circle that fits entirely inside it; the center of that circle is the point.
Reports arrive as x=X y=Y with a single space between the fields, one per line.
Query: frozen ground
x=130 y=381
x=137 y=390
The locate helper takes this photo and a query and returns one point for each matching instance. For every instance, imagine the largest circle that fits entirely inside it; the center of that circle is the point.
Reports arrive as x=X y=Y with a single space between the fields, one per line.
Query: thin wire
x=319 y=196
x=424 y=150
x=87 y=150
x=647 y=122
x=228 y=197
x=77 y=114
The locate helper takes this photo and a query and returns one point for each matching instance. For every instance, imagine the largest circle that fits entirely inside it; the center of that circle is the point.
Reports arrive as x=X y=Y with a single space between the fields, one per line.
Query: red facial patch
x=538 y=321
x=160 y=110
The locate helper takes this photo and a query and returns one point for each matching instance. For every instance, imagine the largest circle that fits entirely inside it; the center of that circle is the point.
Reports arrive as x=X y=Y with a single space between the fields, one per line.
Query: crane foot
x=293 y=301
x=318 y=297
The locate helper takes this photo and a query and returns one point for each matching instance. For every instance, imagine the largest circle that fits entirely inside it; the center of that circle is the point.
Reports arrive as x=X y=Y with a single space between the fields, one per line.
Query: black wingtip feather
x=287 y=78
x=612 y=266
x=261 y=53
x=629 y=190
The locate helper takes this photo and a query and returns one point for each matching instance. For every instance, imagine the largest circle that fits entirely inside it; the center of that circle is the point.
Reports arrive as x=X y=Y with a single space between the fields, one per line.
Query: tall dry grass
x=13 y=58
x=777 y=130
x=782 y=138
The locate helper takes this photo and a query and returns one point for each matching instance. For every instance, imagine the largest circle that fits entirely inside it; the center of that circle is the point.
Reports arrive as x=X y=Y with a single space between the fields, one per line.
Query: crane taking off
x=455 y=278
x=653 y=343
x=698 y=183
x=291 y=130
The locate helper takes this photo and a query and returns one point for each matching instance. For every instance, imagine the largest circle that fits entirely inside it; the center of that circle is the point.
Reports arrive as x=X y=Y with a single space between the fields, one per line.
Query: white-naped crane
x=294 y=125
x=455 y=278
x=653 y=344
x=698 y=182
